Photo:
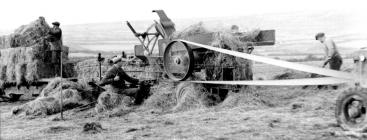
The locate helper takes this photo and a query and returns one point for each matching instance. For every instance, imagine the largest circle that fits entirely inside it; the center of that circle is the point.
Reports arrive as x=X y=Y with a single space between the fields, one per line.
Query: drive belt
x=288 y=82
x=336 y=77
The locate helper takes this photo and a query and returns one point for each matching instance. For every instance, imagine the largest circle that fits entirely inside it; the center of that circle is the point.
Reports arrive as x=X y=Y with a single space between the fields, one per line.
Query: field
x=262 y=113
x=258 y=112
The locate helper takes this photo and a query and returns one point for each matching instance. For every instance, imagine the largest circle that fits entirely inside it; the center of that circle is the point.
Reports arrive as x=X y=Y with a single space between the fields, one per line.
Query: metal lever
x=132 y=29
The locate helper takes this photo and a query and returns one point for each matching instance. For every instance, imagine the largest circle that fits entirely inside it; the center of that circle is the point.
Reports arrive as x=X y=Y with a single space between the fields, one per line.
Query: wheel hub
x=355 y=111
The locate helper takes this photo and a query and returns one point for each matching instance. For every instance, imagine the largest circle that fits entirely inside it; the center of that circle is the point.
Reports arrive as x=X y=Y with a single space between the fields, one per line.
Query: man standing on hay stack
x=116 y=77
x=55 y=35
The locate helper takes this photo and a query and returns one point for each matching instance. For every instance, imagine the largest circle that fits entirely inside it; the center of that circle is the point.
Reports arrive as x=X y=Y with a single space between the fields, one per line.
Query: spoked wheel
x=351 y=110
x=178 y=61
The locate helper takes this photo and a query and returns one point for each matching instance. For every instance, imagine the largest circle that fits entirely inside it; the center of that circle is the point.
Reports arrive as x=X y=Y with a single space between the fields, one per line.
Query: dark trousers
x=56 y=61
x=139 y=94
x=335 y=62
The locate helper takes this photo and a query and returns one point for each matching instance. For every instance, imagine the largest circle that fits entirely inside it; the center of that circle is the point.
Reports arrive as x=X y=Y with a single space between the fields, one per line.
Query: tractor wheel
x=351 y=108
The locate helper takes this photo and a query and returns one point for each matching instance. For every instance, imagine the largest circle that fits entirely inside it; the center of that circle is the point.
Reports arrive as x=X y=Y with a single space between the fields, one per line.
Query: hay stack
x=25 y=54
x=26 y=35
x=48 y=102
x=242 y=68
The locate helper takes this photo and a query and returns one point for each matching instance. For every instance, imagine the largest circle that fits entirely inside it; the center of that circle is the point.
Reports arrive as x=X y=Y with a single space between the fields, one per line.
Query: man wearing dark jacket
x=54 y=37
x=116 y=77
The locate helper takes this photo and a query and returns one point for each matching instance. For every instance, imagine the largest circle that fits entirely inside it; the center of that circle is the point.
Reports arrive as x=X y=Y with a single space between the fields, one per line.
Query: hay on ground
x=108 y=101
x=162 y=97
x=92 y=128
x=193 y=96
x=48 y=103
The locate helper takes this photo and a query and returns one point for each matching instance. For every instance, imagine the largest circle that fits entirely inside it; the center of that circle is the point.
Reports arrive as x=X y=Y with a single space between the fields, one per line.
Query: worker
x=332 y=56
x=124 y=54
x=54 y=37
x=116 y=77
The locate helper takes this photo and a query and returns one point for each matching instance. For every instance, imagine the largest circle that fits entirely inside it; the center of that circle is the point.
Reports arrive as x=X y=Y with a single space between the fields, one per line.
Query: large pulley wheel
x=178 y=60
x=351 y=108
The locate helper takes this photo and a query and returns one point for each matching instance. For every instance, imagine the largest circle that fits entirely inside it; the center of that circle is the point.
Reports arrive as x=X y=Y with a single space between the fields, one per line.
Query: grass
x=264 y=113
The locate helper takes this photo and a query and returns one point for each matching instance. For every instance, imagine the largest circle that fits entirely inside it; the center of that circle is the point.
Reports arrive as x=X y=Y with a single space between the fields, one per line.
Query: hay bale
x=48 y=103
x=5 y=42
x=32 y=71
x=108 y=101
x=3 y=69
x=20 y=70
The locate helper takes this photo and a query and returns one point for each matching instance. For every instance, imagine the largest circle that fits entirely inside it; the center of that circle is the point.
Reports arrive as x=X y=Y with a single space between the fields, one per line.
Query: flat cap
x=116 y=59
x=318 y=35
x=56 y=23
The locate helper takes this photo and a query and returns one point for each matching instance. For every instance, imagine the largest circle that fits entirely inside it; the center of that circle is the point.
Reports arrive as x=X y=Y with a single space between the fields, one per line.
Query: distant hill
x=294 y=32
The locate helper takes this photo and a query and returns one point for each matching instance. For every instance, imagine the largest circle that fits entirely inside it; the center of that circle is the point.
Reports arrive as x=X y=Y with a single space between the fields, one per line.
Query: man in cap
x=116 y=77
x=54 y=37
x=332 y=56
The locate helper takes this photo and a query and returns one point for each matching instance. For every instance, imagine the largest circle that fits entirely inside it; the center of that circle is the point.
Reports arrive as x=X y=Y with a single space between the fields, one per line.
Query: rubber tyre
x=341 y=114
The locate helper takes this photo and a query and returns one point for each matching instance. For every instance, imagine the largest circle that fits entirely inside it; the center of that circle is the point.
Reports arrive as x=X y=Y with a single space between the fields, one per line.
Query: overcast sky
x=14 y=13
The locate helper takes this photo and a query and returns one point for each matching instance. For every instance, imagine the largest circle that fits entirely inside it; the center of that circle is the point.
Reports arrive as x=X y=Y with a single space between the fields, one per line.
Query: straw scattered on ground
x=48 y=103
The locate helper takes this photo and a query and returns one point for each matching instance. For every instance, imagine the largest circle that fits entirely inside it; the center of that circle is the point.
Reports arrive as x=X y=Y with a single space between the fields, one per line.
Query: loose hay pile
x=25 y=54
x=168 y=96
x=189 y=96
x=162 y=97
x=110 y=101
x=48 y=102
